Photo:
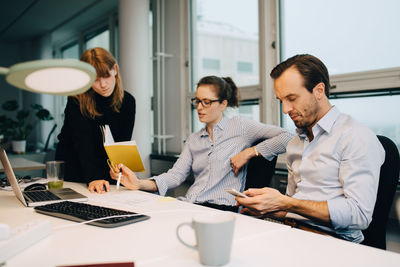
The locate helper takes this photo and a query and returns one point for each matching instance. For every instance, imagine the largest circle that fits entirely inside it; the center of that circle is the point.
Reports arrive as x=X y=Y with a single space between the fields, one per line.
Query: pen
x=110 y=164
x=119 y=179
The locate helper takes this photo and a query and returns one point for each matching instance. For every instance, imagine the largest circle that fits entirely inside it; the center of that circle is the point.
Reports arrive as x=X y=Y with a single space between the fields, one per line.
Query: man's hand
x=262 y=201
x=128 y=177
x=266 y=200
x=99 y=186
x=239 y=160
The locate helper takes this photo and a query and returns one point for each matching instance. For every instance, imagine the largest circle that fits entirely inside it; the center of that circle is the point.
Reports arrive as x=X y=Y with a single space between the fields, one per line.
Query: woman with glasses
x=81 y=141
x=217 y=153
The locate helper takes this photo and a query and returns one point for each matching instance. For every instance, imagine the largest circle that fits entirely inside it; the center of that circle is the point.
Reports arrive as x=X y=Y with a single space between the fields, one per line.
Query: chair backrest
x=260 y=172
x=375 y=234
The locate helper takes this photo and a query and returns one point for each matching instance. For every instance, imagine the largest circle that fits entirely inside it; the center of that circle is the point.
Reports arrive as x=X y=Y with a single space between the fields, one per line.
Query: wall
x=9 y=55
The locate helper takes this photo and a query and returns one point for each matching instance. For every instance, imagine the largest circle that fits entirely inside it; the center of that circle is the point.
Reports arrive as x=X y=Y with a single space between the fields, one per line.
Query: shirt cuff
x=161 y=185
x=339 y=213
x=264 y=151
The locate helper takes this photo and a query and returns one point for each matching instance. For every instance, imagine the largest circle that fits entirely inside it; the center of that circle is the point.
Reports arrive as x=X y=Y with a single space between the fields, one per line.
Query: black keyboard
x=80 y=212
x=41 y=195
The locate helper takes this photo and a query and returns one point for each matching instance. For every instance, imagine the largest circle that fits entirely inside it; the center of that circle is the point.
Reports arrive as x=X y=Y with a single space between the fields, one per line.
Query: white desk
x=153 y=242
x=22 y=164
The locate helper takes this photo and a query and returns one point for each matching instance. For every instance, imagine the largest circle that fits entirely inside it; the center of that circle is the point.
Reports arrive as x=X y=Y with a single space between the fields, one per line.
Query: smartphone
x=235 y=192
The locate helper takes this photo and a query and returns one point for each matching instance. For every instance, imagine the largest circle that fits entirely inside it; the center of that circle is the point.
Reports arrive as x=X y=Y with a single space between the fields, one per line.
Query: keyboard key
x=41 y=195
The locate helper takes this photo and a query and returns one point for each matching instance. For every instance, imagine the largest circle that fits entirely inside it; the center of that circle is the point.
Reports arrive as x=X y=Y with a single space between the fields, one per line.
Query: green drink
x=55 y=174
x=55 y=184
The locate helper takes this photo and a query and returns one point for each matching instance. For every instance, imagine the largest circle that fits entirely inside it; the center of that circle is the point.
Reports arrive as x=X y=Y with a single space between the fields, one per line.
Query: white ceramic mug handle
x=180 y=239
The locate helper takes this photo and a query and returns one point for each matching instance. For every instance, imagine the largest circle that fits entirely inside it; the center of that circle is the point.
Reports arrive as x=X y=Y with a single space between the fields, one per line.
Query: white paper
x=124 y=198
x=107 y=135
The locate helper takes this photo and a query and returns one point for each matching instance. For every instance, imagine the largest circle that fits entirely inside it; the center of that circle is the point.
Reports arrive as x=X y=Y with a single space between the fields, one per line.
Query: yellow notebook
x=126 y=153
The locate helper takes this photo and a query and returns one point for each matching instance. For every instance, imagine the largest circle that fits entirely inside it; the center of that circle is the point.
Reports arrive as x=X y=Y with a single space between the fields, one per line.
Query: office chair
x=260 y=172
x=375 y=234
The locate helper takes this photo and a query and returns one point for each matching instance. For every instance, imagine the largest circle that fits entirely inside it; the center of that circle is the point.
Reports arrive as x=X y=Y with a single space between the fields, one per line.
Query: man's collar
x=325 y=123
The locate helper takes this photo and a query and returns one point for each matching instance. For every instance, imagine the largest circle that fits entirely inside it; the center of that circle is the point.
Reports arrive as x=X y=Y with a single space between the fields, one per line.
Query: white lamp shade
x=53 y=76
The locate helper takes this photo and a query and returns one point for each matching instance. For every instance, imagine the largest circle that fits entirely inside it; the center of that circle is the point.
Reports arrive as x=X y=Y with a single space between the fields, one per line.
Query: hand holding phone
x=235 y=192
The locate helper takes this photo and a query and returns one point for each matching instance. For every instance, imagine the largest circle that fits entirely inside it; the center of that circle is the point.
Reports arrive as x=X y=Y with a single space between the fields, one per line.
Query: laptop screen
x=11 y=176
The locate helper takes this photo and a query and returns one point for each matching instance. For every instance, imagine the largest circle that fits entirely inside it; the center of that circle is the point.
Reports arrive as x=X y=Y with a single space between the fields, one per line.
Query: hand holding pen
x=119 y=178
x=114 y=169
x=123 y=175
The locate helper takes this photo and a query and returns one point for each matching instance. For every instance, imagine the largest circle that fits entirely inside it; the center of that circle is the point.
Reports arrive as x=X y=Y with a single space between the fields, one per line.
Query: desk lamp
x=51 y=76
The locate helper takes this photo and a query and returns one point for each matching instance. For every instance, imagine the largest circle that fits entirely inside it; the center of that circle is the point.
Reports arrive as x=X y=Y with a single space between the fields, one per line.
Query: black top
x=81 y=140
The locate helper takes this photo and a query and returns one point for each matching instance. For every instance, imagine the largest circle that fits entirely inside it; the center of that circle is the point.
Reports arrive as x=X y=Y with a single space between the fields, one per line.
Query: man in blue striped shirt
x=334 y=162
x=216 y=154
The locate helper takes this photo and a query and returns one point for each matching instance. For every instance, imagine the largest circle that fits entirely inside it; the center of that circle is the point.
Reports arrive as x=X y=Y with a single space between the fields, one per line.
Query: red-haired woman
x=80 y=141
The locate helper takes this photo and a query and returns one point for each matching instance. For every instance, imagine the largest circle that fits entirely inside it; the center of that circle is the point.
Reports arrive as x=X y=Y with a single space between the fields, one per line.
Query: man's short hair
x=311 y=68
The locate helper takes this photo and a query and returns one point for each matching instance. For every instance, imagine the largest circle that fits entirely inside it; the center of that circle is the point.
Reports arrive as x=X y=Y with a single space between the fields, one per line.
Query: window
x=374 y=111
x=226 y=38
x=226 y=46
x=101 y=39
x=250 y=109
x=245 y=67
x=360 y=51
x=70 y=51
x=343 y=37
x=211 y=64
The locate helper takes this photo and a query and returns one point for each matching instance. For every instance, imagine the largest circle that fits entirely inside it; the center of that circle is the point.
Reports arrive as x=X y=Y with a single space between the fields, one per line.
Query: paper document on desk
x=122 y=198
x=126 y=153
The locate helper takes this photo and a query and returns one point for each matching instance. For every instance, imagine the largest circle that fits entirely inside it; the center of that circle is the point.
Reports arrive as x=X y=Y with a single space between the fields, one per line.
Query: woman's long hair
x=103 y=62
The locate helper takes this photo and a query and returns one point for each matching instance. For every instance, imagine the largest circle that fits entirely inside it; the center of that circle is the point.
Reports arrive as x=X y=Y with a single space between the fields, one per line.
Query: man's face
x=301 y=105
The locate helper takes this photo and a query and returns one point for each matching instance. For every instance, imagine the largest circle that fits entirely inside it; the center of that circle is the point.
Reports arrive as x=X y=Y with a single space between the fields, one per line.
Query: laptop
x=39 y=197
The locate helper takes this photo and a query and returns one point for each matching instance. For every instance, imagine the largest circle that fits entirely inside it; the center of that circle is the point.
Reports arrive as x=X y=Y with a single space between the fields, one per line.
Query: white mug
x=214 y=233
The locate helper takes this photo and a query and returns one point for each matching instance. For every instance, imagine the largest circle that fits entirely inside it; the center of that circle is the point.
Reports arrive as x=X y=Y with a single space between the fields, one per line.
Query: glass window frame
x=69 y=45
x=250 y=92
x=354 y=84
x=243 y=65
x=94 y=33
x=382 y=80
x=109 y=22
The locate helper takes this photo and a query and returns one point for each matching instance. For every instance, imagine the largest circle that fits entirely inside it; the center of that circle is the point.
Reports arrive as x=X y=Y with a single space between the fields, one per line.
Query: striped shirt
x=210 y=159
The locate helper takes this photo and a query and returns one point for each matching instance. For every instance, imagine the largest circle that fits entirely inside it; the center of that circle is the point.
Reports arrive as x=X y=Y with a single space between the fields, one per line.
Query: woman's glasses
x=204 y=102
